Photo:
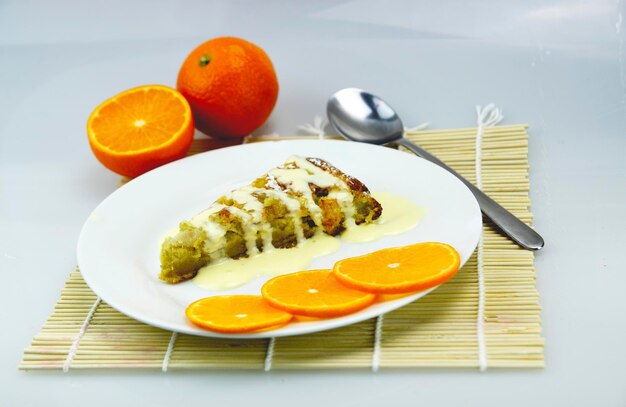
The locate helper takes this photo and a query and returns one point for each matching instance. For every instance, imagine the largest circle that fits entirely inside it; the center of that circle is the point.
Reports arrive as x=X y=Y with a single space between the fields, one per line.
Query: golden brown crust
x=354 y=184
x=367 y=209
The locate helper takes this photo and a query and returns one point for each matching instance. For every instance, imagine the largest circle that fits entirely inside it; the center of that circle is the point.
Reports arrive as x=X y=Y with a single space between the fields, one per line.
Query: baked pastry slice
x=279 y=210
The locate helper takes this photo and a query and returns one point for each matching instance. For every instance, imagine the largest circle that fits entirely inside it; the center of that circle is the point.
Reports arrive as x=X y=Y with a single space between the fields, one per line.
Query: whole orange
x=231 y=86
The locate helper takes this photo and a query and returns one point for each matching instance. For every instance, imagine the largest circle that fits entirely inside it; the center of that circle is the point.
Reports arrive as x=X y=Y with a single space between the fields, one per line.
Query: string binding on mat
x=267 y=366
x=168 y=352
x=378 y=333
x=488 y=116
x=317 y=128
x=71 y=353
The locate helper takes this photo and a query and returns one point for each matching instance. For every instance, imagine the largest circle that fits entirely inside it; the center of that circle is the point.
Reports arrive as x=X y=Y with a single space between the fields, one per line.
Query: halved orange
x=235 y=314
x=314 y=293
x=141 y=129
x=400 y=269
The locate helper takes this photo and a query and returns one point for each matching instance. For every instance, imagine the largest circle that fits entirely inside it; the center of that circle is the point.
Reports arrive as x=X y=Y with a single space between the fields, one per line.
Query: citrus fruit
x=231 y=86
x=314 y=293
x=235 y=314
x=140 y=129
x=399 y=269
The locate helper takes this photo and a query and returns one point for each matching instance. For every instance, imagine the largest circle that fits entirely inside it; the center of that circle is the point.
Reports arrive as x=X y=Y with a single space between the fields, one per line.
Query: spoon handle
x=510 y=225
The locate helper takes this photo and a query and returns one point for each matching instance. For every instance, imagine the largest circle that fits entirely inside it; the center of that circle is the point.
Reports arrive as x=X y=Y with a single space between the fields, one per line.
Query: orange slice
x=400 y=269
x=140 y=129
x=235 y=314
x=314 y=293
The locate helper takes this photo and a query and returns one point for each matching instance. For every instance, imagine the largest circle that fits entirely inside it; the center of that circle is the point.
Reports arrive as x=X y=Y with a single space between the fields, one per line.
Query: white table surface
x=557 y=65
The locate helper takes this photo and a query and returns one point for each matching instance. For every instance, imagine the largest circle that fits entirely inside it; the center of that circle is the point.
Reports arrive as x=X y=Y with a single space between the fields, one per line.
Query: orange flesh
x=140 y=129
x=400 y=269
x=235 y=314
x=314 y=293
x=138 y=120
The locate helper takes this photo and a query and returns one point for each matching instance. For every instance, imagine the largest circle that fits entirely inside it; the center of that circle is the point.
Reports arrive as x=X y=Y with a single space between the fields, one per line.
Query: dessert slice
x=279 y=210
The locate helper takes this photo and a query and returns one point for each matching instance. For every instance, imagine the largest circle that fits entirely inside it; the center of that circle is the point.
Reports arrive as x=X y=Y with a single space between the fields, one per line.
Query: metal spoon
x=361 y=116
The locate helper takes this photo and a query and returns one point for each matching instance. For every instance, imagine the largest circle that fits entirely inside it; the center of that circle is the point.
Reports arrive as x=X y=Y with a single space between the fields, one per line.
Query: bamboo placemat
x=461 y=324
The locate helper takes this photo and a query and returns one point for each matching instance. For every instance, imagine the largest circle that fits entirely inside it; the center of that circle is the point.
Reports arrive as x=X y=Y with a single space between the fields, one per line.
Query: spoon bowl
x=364 y=117
x=361 y=116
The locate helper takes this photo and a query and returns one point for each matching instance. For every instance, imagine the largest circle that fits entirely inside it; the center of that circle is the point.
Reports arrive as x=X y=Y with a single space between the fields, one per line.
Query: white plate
x=119 y=245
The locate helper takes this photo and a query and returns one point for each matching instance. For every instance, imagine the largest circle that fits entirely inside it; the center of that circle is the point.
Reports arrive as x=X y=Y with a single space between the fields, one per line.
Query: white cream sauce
x=231 y=273
x=399 y=215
